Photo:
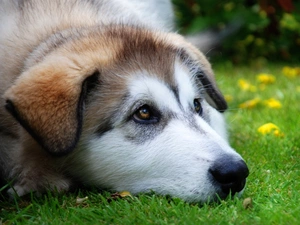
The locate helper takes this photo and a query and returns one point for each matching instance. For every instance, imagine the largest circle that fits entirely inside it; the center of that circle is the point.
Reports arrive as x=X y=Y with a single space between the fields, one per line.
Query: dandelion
x=246 y=86
x=273 y=103
x=278 y=133
x=269 y=128
x=250 y=103
x=290 y=72
x=264 y=78
x=228 y=98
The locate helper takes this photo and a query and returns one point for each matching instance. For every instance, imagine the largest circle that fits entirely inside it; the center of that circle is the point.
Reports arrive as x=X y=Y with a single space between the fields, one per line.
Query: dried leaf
x=122 y=194
x=81 y=200
x=247 y=203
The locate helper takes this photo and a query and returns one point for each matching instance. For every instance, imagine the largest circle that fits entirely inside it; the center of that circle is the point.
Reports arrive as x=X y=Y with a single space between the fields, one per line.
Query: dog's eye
x=197 y=106
x=145 y=115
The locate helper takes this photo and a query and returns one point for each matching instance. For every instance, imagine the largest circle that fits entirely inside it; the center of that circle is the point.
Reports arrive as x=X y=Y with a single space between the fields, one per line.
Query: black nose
x=230 y=174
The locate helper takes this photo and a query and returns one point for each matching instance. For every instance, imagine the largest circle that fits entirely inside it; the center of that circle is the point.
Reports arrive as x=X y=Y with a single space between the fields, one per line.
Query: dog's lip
x=233 y=187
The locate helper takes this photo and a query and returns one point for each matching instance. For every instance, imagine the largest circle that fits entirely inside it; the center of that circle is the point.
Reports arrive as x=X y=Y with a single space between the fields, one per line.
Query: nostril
x=230 y=174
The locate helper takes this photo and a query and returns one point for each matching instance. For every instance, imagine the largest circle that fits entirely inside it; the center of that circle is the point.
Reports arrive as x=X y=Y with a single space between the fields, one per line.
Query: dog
x=103 y=93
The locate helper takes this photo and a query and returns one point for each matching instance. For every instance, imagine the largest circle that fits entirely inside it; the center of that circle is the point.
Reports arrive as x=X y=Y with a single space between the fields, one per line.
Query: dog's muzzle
x=229 y=174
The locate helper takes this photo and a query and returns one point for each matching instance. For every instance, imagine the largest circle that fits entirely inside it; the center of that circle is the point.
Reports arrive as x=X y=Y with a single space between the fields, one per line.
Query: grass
x=273 y=184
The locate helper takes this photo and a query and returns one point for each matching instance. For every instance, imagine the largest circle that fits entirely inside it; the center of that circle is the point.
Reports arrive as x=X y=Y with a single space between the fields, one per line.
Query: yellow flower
x=270 y=128
x=228 y=98
x=290 y=72
x=278 y=133
x=264 y=78
x=273 y=103
x=246 y=86
x=249 y=104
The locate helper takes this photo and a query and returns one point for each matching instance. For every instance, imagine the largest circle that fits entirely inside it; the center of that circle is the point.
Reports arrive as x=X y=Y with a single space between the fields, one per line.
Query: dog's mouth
x=233 y=188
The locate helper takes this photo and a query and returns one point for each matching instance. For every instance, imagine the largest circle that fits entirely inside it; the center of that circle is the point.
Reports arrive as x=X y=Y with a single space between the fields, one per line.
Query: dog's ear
x=198 y=63
x=212 y=93
x=48 y=101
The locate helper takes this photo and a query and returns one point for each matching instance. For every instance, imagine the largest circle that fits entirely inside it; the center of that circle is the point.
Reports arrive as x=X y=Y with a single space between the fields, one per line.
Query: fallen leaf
x=81 y=200
x=247 y=203
x=122 y=194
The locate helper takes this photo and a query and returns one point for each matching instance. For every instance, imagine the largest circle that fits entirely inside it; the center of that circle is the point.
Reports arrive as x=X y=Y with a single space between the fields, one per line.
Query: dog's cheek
x=218 y=123
x=215 y=119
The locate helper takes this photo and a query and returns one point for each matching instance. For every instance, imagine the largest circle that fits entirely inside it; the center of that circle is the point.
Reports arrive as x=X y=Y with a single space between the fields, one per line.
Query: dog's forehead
x=174 y=95
x=152 y=66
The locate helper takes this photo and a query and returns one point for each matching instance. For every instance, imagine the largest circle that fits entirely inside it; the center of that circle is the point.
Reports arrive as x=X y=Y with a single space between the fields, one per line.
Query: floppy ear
x=197 y=61
x=47 y=100
x=213 y=95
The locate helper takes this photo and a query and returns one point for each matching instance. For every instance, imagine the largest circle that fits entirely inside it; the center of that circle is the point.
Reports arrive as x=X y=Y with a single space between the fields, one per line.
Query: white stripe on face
x=186 y=89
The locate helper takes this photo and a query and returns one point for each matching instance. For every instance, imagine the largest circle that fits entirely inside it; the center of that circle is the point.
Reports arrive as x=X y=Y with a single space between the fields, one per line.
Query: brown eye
x=197 y=106
x=145 y=115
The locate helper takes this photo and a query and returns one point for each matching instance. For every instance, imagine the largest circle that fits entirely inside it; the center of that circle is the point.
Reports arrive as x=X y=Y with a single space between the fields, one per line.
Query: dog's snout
x=231 y=175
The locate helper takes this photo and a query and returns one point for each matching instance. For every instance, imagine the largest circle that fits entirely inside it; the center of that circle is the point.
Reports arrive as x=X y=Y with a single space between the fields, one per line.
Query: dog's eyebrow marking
x=154 y=89
x=175 y=90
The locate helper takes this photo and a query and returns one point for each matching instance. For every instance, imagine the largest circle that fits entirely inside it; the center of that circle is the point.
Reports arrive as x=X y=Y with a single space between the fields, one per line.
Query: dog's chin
x=214 y=198
x=218 y=196
x=214 y=195
x=221 y=195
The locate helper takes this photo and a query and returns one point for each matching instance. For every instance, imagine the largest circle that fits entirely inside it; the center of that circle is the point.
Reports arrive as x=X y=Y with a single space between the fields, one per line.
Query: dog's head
x=139 y=111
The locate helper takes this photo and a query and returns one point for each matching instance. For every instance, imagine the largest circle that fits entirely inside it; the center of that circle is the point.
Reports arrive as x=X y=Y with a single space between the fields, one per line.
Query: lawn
x=256 y=97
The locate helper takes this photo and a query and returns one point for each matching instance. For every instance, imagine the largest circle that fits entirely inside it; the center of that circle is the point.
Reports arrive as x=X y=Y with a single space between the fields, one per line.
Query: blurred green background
x=259 y=31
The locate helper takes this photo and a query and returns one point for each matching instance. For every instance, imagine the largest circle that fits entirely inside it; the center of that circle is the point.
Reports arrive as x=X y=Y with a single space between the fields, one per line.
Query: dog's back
x=25 y=23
